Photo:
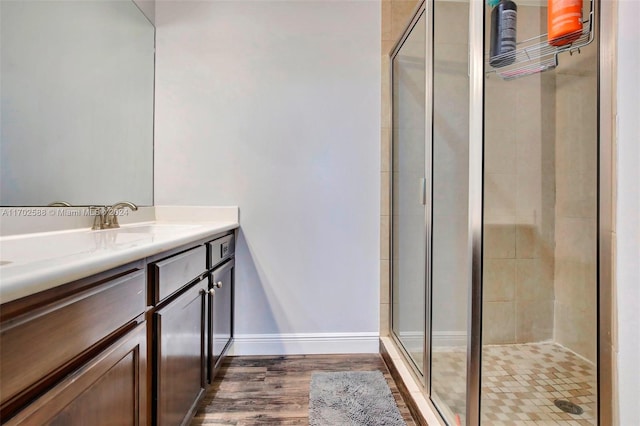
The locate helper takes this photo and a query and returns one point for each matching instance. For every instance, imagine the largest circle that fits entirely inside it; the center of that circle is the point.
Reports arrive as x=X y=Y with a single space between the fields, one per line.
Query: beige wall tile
x=400 y=16
x=527 y=241
x=385 y=88
x=575 y=282
x=385 y=149
x=528 y=126
x=614 y=386
x=385 y=108
x=385 y=12
x=384 y=282
x=534 y=320
x=384 y=237
x=499 y=110
x=384 y=319
x=528 y=151
x=499 y=241
x=576 y=203
x=613 y=315
x=529 y=196
x=576 y=194
x=534 y=280
x=576 y=123
x=500 y=154
x=498 y=324
x=500 y=197
x=498 y=280
x=531 y=21
x=385 y=193
x=387 y=45
x=576 y=239
x=453 y=22
x=576 y=329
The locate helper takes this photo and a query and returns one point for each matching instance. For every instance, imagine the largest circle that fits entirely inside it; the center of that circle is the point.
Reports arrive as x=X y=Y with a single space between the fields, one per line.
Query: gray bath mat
x=352 y=398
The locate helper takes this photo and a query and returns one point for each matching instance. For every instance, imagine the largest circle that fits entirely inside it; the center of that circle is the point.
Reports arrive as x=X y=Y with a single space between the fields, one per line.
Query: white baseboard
x=304 y=343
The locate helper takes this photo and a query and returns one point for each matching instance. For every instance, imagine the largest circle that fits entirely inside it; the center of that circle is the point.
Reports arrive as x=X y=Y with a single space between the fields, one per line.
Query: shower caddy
x=536 y=55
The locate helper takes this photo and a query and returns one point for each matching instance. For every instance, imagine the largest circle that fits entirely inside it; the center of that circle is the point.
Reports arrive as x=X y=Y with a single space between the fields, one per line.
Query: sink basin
x=61 y=245
x=42 y=248
x=154 y=228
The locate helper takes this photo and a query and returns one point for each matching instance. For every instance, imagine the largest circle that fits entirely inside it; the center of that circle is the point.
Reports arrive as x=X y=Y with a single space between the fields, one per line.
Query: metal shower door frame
x=417 y=14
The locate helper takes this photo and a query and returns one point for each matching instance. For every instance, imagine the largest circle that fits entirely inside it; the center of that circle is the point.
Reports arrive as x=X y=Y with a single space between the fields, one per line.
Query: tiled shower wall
x=518 y=299
x=575 y=321
x=540 y=202
x=395 y=16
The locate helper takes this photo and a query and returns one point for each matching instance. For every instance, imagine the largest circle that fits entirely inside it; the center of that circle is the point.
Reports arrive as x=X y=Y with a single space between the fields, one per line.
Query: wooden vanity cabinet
x=180 y=331
x=77 y=354
x=221 y=264
x=192 y=324
x=134 y=345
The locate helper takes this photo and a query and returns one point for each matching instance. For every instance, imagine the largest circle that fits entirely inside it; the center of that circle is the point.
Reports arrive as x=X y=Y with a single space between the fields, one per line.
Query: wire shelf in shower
x=536 y=55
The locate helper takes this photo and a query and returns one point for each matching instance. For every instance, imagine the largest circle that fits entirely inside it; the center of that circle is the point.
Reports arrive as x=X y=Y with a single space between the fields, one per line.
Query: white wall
x=628 y=212
x=275 y=107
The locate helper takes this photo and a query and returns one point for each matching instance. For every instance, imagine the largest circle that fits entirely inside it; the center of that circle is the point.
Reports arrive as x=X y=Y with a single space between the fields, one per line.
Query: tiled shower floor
x=520 y=383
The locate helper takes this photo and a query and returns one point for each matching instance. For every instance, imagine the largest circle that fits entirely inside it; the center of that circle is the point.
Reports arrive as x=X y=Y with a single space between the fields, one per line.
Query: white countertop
x=30 y=263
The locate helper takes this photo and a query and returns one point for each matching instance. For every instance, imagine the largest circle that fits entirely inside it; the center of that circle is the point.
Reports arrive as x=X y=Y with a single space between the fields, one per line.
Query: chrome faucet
x=111 y=218
x=106 y=217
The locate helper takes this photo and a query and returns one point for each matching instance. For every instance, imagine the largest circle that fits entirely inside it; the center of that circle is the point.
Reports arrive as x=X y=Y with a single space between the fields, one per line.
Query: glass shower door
x=409 y=186
x=449 y=218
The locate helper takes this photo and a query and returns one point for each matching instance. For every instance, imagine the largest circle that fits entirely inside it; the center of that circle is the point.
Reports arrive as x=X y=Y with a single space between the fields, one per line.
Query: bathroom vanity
x=123 y=326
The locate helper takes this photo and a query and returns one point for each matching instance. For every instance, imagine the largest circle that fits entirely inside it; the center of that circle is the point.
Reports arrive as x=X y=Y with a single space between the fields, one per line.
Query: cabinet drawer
x=220 y=249
x=173 y=273
x=47 y=339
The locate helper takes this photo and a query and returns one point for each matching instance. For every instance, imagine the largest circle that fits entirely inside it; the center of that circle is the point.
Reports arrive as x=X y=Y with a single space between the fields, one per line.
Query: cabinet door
x=180 y=351
x=221 y=315
x=109 y=390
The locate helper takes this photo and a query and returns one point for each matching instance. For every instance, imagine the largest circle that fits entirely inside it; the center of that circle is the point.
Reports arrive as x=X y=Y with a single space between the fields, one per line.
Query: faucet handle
x=98 y=220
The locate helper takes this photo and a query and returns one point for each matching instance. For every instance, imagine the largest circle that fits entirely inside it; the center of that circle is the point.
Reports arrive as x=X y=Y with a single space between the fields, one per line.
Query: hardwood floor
x=269 y=390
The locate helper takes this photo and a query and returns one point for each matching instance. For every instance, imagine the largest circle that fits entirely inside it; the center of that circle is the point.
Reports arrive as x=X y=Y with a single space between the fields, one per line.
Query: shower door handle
x=423 y=191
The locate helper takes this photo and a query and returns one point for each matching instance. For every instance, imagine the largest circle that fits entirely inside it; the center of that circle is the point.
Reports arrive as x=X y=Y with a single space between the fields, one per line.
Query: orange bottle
x=564 y=21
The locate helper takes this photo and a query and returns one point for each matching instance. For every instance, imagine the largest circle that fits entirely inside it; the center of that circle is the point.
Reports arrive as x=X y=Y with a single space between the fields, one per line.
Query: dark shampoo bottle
x=503 y=34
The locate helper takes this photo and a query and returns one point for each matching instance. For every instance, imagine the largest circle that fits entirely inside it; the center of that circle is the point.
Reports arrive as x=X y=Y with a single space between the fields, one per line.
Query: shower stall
x=495 y=209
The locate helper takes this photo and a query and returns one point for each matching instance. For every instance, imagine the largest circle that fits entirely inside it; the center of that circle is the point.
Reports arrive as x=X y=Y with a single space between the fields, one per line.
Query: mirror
x=77 y=83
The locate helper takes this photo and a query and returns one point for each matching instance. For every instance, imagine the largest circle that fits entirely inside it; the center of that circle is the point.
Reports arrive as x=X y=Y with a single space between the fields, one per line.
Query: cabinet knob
x=212 y=291
x=219 y=284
